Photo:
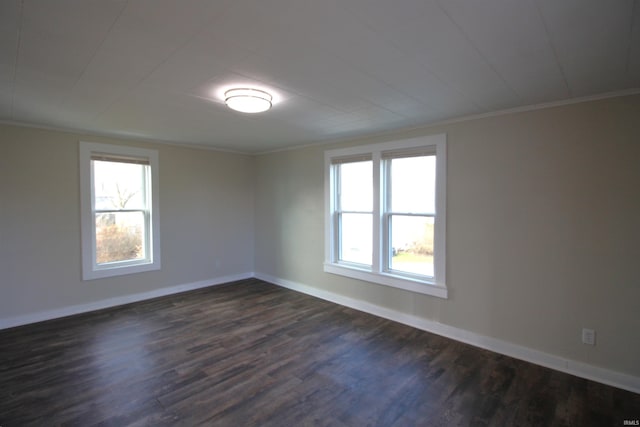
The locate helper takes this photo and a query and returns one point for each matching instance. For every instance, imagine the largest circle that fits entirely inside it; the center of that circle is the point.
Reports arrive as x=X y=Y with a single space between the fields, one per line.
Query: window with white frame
x=119 y=210
x=385 y=213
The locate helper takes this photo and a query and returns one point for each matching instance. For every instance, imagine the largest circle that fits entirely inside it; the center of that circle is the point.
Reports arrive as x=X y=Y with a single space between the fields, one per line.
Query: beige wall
x=543 y=229
x=206 y=215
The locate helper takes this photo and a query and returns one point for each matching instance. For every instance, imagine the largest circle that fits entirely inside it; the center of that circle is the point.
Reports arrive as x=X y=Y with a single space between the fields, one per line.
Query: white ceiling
x=152 y=69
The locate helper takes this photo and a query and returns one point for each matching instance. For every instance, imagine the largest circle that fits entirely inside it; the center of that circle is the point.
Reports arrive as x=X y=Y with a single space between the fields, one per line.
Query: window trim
x=376 y=274
x=90 y=270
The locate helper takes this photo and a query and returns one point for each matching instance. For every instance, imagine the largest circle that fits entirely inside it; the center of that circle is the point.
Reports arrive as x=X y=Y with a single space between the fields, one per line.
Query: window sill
x=387 y=279
x=120 y=270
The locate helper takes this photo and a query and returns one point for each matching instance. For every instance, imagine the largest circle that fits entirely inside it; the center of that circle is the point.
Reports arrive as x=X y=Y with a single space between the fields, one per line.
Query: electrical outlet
x=588 y=336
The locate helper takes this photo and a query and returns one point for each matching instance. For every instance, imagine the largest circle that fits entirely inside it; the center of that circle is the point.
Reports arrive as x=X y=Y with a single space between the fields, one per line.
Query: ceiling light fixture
x=248 y=100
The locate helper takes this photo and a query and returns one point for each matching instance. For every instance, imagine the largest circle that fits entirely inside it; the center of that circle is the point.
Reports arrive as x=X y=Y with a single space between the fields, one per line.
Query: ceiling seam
x=301 y=95
x=423 y=127
x=383 y=87
x=139 y=82
x=289 y=89
x=485 y=59
x=553 y=49
x=398 y=133
x=421 y=63
x=634 y=10
x=365 y=72
x=86 y=67
x=14 y=82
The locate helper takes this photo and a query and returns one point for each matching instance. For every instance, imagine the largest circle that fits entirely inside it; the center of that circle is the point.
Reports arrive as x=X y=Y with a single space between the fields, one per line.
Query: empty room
x=333 y=213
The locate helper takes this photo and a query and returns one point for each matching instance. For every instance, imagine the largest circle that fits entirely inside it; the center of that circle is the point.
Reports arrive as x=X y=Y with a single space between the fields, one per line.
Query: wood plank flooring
x=253 y=354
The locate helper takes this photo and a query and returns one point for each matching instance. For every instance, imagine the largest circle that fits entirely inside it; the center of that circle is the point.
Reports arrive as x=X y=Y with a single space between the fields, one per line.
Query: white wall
x=206 y=215
x=543 y=230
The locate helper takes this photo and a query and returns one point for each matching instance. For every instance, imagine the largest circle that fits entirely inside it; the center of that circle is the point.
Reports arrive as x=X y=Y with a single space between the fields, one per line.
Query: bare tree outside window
x=119 y=217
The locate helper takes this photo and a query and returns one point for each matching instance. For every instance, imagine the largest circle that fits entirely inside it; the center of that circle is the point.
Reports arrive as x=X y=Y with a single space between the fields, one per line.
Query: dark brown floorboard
x=253 y=354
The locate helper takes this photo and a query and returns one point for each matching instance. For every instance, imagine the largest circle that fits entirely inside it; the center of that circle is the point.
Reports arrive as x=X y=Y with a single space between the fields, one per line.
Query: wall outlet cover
x=588 y=336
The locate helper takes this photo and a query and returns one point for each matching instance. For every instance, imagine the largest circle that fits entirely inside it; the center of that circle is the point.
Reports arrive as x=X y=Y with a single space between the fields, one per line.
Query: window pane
x=413 y=183
x=120 y=237
x=118 y=185
x=356 y=238
x=356 y=188
x=412 y=244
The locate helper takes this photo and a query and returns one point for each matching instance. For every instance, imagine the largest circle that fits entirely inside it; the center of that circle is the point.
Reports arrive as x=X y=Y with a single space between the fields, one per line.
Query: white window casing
x=147 y=209
x=379 y=270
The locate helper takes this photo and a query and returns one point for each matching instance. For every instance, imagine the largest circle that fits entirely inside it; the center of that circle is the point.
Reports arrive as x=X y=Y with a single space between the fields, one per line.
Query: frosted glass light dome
x=248 y=100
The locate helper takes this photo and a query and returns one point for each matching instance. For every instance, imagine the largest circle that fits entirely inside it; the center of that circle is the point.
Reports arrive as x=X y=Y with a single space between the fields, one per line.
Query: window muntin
x=407 y=218
x=119 y=204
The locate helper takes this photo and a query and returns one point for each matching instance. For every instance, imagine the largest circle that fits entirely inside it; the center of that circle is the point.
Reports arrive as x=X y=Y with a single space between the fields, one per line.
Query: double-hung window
x=385 y=213
x=119 y=202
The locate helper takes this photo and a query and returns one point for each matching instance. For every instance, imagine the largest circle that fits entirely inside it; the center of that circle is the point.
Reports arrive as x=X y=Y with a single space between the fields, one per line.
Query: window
x=385 y=213
x=119 y=203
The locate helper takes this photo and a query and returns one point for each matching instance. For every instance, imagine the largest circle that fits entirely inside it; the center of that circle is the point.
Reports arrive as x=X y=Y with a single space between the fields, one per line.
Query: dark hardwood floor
x=253 y=354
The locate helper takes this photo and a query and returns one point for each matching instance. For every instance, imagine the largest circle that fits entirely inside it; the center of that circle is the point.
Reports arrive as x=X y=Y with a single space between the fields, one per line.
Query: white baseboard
x=10 y=322
x=579 y=369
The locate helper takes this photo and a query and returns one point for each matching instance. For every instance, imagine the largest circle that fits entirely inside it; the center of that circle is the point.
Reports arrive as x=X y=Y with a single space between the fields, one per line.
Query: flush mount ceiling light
x=248 y=100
